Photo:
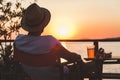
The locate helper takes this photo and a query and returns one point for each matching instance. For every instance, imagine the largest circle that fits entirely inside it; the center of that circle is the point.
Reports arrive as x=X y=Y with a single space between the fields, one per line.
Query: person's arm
x=71 y=57
x=66 y=54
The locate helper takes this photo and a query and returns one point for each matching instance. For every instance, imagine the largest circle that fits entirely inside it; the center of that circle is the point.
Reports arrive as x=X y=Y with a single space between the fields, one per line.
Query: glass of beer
x=91 y=51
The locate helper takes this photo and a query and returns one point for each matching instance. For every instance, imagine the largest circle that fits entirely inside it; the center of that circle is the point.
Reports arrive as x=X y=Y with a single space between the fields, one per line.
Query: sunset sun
x=63 y=28
x=63 y=32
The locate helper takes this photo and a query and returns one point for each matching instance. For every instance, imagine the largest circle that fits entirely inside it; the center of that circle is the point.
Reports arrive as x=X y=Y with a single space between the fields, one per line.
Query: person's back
x=41 y=60
x=39 y=55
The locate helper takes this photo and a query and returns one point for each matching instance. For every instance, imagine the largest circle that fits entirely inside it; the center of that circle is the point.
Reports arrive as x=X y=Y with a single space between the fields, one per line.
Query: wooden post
x=99 y=63
x=96 y=46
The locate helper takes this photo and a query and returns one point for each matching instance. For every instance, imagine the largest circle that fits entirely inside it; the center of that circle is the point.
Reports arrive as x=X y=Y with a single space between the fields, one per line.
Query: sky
x=82 y=19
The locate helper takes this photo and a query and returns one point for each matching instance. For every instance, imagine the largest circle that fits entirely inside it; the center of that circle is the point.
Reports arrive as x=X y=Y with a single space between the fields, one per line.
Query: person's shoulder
x=50 y=37
x=20 y=36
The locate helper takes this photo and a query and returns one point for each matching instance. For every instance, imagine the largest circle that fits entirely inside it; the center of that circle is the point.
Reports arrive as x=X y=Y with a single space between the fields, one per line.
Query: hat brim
x=42 y=24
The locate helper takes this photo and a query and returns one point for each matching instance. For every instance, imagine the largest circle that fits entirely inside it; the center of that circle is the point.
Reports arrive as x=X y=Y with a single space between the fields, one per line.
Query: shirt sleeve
x=54 y=42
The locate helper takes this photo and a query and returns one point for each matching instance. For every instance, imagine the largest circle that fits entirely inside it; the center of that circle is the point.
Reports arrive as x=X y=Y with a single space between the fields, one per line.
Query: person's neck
x=34 y=33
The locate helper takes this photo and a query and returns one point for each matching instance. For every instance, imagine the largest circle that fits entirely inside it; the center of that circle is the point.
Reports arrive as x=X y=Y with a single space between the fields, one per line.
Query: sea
x=81 y=48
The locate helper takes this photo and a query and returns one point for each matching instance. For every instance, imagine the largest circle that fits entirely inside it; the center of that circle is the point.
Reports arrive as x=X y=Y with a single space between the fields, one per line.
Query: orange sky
x=76 y=19
x=87 y=18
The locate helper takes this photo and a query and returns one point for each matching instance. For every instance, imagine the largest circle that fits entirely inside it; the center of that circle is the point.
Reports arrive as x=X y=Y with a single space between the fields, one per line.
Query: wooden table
x=75 y=72
x=113 y=60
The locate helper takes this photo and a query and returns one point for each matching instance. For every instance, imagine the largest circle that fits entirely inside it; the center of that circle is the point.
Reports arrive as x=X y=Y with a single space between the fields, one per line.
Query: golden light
x=63 y=29
x=63 y=32
x=64 y=44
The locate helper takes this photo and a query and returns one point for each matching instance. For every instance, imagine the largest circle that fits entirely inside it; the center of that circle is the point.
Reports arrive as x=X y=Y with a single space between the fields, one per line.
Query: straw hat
x=35 y=18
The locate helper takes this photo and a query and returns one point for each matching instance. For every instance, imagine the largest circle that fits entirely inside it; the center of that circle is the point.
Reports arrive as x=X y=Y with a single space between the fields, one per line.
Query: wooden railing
x=96 y=43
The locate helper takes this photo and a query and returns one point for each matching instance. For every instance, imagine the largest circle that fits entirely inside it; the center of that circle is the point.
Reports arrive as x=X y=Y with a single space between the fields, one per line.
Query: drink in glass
x=90 y=51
